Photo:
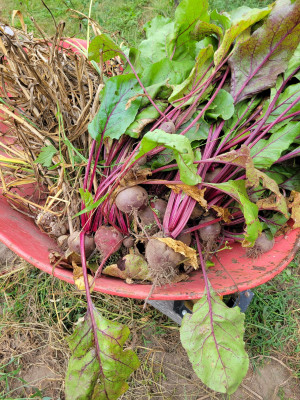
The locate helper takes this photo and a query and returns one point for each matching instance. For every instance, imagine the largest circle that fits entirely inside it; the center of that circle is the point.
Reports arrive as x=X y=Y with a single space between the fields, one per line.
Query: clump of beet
x=74 y=243
x=128 y=241
x=209 y=235
x=163 y=262
x=50 y=224
x=147 y=216
x=108 y=240
x=197 y=212
x=262 y=245
x=210 y=232
x=168 y=127
x=132 y=199
x=185 y=238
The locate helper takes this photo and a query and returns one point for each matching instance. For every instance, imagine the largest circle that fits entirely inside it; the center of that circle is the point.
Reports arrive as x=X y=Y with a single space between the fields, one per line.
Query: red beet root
x=108 y=240
x=131 y=199
x=74 y=243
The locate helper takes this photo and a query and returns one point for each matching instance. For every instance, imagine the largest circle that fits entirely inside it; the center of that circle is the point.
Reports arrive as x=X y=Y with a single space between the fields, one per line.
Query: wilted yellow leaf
x=192 y=191
x=223 y=213
x=179 y=247
x=294 y=205
x=79 y=279
x=275 y=203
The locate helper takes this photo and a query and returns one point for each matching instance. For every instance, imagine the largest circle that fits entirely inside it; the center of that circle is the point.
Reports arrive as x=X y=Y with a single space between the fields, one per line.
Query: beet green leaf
x=153 y=49
x=213 y=339
x=237 y=190
x=293 y=64
x=203 y=29
x=241 y=18
x=86 y=377
x=267 y=151
x=198 y=74
x=181 y=148
x=222 y=106
x=104 y=44
x=222 y=20
x=146 y=116
x=242 y=111
x=164 y=73
x=256 y=62
x=116 y=112
x=187 y=14
x=270 y=228
x=286 y=98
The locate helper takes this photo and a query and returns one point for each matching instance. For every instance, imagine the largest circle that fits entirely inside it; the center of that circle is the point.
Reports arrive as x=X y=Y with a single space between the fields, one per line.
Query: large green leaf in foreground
x=87 y=378
x=213 y=339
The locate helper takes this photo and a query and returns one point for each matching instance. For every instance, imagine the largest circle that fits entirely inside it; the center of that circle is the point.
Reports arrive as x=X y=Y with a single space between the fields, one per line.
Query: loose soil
x=41 y=355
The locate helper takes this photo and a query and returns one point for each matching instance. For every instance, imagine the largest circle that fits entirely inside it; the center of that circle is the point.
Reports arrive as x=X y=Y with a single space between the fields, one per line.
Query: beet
x=108 y=240
x=148 y=218
x=158 y=255
x=168 y=127
x=197 y=212
x=128 y=242
x=132 y=199
x=162 y=262
x=262 y=245
x=185 y=238
x=74 y=243
x=210 y=232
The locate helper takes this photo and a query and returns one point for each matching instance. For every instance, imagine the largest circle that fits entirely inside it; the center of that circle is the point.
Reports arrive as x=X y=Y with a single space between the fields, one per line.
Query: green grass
x=124 y=19
x=272 y=319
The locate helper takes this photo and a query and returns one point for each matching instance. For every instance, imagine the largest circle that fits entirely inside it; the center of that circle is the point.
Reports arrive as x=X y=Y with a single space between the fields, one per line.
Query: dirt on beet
x=34 y=357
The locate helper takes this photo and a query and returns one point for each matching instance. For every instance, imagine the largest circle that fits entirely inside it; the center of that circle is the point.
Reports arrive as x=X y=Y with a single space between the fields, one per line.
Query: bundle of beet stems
x=136 y=209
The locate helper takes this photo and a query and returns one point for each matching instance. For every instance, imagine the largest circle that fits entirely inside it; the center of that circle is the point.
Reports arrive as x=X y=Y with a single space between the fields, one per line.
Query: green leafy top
x=181 y=148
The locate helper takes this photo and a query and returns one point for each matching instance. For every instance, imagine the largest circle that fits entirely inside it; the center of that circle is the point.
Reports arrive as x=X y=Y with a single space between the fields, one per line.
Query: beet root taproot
x=108 y=240
x=131 y=199
x=210 y=232
x=74 y=243
x=262 y=245
x=163 y=261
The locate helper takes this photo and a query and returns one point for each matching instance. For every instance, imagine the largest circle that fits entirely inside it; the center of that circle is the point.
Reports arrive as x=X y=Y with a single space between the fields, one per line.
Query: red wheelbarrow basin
x=232 y=270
